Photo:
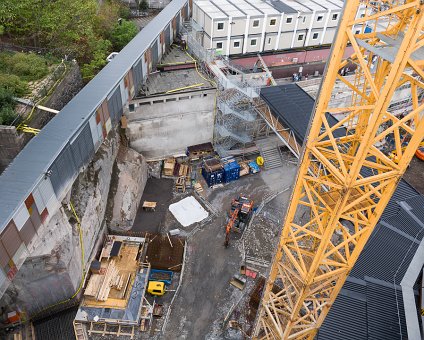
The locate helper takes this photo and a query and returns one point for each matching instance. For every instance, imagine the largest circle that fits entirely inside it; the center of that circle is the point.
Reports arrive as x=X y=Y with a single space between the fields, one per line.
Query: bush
x=124 y=12
x=28 y=66
x=7 y=107
x=122 y=34
x=7 y=116
x=13 y=84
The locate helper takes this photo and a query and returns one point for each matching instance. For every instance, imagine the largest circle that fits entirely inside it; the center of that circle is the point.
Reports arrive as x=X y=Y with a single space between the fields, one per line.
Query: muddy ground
x=206 y=297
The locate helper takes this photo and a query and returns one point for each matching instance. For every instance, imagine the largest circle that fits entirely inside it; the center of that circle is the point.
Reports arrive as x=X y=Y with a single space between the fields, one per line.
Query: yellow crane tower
x=344 y=182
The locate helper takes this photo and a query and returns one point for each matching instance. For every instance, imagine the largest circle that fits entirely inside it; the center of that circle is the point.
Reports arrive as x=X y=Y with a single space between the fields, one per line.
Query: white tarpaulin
x=188 y=211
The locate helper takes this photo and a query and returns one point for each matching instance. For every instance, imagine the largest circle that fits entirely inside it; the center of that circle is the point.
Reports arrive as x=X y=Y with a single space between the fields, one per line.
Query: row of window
x=253 y=42
x=273 y=22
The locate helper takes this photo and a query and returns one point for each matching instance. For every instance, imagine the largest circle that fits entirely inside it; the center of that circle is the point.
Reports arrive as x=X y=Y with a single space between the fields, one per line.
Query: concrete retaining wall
x=161 y=126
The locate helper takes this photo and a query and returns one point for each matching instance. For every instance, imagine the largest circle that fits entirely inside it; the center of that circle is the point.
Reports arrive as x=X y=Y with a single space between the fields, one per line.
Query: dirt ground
x=414 y=174
x=206 y=297
x=156 y=190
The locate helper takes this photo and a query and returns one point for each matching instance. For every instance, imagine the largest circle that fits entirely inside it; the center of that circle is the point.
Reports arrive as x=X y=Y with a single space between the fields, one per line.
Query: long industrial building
x=33 y=186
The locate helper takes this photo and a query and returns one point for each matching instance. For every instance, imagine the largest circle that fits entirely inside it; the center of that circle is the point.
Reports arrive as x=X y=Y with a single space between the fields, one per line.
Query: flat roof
x=239 y=8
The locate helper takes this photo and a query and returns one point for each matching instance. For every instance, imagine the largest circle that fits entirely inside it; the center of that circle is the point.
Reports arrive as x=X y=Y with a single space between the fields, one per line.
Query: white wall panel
x=21 y=216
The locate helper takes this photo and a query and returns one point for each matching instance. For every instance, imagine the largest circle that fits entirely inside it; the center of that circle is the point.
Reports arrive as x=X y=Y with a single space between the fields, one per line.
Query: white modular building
x=250 y=26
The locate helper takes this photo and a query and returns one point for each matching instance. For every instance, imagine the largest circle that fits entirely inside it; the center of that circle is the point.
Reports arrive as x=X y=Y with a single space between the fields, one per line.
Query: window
x=255 y=23
x=289 y=20
x=357 y=31
x=131 y=107
x=304 y=19
x=253 y=42
x=219 y=45
x=236 y=44
x=319 y=18
x=335 y=16
x=362 y=15
x=300 y=37
x=269 y=41
x=220 y=26
x=315 y=36
x=272 y=22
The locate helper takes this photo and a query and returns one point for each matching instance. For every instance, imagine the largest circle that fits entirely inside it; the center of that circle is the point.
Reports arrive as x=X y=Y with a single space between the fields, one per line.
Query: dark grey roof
x=282 y=7
x=369 y=303
x=293 y=107
x=20 y=178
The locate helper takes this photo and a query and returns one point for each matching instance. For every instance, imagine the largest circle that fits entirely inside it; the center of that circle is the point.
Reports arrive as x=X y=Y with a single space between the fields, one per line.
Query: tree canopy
x=82 y=29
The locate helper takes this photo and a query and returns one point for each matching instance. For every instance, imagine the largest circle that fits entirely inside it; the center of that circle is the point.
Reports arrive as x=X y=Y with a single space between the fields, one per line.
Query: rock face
x=53 y=272
x=128 y=182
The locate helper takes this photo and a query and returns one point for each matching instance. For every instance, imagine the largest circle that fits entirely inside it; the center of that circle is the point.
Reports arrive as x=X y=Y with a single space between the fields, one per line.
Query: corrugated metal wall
x=155 y=55
x=167 y=36
x=138 y=75
x=62 y=170
x=83 y=147
x=114 y=104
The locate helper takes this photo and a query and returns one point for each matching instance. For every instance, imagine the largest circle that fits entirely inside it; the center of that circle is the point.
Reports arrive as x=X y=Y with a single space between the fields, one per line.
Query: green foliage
x=28 y=66
x=101 y=51
x=144 y=5
x=77 y=28
x=124 y=12
x=122 y=34
x=13 y=84
x=7 y=105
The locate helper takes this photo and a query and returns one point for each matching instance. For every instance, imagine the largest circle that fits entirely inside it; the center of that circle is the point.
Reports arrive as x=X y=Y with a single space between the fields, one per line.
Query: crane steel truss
x=345 y=181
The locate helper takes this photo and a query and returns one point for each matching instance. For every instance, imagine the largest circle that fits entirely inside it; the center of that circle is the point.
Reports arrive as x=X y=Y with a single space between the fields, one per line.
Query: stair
x=272 y=158
x=80 y=331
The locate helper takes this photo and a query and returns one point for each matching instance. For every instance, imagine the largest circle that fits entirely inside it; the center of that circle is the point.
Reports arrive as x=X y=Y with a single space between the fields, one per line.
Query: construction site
x=187 y=193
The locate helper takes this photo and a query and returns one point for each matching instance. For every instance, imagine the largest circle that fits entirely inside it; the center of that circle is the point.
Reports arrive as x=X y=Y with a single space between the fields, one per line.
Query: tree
x=143 y=6
x=7 y=107
x=122 y=34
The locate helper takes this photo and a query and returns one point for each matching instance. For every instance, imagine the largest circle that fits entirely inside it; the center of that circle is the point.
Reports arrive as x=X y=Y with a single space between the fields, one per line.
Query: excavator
x=240 y=215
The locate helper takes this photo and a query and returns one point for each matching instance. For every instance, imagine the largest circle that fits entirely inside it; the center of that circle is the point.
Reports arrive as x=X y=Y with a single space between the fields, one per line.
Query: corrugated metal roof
x=293 y=106
x=366 y=306
x=346 y=320
x=383 y=255
x=382 y=307
x=20 y=178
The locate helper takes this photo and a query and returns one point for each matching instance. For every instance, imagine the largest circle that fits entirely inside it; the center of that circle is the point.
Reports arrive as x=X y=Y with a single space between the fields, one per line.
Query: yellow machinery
x=348 y=177
x=156 y=288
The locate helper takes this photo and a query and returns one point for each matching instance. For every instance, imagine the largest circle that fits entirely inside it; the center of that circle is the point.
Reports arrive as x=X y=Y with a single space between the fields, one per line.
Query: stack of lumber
x=168 y=167
x=111 y=273
x=184 y=169
x=198 y=187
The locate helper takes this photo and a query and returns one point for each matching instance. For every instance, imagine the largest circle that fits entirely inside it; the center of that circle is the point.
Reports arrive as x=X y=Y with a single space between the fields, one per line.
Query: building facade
x=251 y=26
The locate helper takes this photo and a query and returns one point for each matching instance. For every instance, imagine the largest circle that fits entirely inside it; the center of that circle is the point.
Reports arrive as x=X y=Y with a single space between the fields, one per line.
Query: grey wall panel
x=82 y=147
x=155 y=56
x=138 y=75
x=62 y=170
x=178 y=23
x=167 y=36
x=114 y=104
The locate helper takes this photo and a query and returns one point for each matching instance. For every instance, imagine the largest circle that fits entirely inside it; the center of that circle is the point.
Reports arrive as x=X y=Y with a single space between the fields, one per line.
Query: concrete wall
x=10 y=144
x=52 y=270
x=161 y=126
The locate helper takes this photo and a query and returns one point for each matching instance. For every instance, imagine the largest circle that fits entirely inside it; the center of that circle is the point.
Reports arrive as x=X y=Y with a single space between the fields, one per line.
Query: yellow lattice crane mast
x=345 y=177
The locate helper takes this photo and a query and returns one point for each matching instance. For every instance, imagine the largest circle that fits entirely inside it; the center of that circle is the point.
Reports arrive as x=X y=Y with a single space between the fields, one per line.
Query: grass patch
x=27 y=66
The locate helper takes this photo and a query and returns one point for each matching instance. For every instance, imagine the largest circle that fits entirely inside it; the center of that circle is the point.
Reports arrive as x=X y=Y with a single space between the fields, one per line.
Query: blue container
x=213 y=177
x=227 y=173
x=254 y=168
x=235 y=170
